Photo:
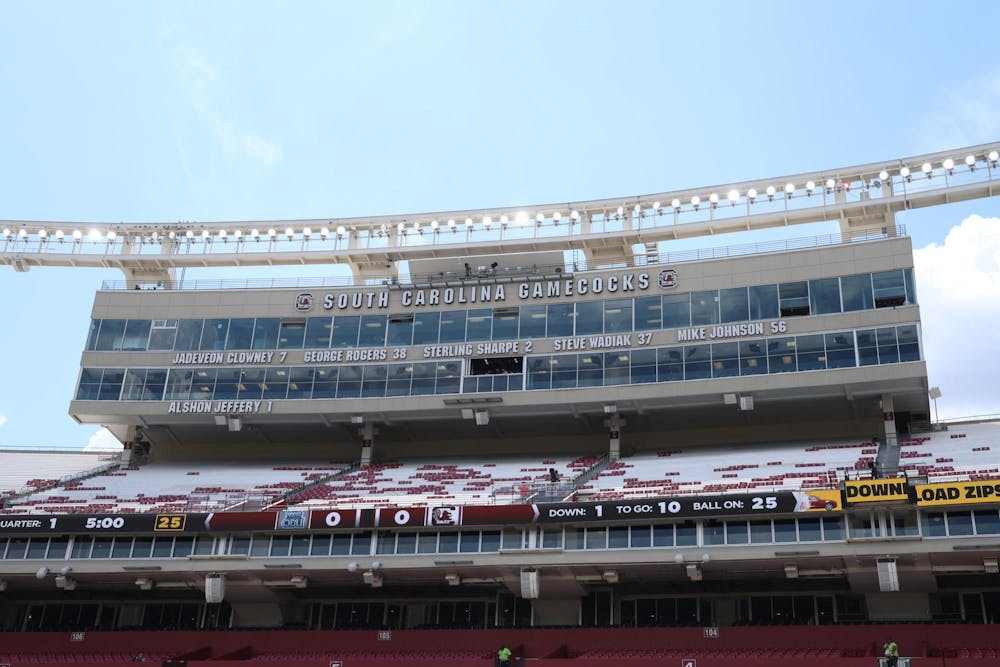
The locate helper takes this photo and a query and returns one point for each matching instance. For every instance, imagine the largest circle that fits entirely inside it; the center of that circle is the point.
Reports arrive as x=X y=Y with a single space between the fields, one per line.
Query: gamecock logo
x=304 y=302
x=668 y=278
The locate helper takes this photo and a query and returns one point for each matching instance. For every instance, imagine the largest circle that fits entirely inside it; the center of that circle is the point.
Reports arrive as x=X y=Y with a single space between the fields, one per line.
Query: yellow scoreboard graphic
x=958 y=493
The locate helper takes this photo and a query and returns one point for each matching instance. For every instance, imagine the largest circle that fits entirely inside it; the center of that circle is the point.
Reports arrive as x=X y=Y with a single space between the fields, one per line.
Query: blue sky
x=167 y=111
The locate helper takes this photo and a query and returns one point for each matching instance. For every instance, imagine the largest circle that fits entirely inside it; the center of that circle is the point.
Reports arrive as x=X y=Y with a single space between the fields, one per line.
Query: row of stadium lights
x=520 y=219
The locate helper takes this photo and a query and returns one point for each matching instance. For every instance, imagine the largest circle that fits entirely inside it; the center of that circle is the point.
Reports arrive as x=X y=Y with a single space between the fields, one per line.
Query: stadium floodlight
x=830 y=184
x=435 y=225
x=41 y=573
x=487 y=220
x=324 y=232
x=574 y=215
x=204 y=235
x=993 y=156
x=222 y=236
x=94 y=235
x=733 y=196
x=540 y=218
x=238 y=235
x=42 y=234
x=451 y=225
x=656 y=206
x=676 y=204
x=503 y=221
x=751 y=195
x=695 y=202
x=77 y=235
x=620 y=211
x=905 y=173
x=307 y=232
x=556 y=217
x=714 y=199
x=352 y=566
x=770 y=192
x=59 y=235
x=927 y=169
x=970 y=162
x=810 y=186
x=679 y=558
x=789 y=189
x=948 y=164
x=521 y=219
x=468 y=223
x=289 y=232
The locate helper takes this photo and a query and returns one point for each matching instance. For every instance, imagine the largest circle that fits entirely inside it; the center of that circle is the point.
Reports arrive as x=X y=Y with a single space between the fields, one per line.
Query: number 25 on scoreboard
x=170 y=523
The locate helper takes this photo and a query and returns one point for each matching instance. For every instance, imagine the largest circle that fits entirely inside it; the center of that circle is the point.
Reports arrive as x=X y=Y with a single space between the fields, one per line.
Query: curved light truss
x=850 y=195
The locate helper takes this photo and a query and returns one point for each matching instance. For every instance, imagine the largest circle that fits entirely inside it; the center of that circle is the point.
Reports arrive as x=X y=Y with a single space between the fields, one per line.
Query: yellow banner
x=875 y=490
x=958 y=493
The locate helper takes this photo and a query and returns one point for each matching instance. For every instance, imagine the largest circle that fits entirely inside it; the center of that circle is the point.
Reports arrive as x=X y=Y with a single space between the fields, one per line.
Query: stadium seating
x=963 y=452
x=721 y=469
x=19 y=470
x=172 y=487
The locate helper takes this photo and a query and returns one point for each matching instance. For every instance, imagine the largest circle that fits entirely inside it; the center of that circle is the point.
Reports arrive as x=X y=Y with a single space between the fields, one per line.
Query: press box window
x=496 y=366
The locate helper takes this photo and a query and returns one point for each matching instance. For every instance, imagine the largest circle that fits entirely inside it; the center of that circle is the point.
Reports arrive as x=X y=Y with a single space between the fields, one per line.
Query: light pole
x=935 y=394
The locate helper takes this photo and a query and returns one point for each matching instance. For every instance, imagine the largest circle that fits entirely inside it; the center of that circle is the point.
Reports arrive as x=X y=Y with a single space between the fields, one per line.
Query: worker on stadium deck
x=503 y=656
x=553 y=475
x=891 y=652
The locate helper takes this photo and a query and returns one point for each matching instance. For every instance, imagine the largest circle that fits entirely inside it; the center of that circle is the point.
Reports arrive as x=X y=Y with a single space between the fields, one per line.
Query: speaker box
x=215 y=587
x=529 y=584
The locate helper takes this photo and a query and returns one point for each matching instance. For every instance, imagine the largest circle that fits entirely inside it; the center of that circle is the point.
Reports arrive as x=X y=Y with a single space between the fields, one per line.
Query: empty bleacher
x=724 y=469
x=23 y=471
x=175 y=487
x=963 y=452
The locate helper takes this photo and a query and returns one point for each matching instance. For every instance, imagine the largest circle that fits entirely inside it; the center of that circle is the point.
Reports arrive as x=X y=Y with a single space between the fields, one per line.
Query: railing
x=478 y=275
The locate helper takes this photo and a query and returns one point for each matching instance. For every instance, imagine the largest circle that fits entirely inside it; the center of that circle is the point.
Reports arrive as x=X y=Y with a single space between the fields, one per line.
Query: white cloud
x=3 y=420
x=968 y=113
x=103 y=441
x=958 y=288
x=258 y=147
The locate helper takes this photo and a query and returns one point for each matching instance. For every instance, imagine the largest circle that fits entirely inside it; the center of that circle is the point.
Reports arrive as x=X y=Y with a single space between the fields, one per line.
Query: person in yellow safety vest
x=503 y=656
x=891 y=652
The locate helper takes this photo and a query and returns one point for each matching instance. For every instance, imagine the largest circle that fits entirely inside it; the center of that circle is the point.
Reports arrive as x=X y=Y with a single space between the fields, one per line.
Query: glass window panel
x=340 y=545
x=111 y=384
x=163 y=547
x=809 y=530
x=824 y=296
x=697 y=362
x=810 y=352
x=203 y=383
x=136 y=335
x=597 y=538
x=319 y=332
x=95 y=327
x=449 y=377
x=617 y=315
x=867 y=347
x=156 y=381
x=280 y=545
x=889 y=288
x=714 y=531
x=425 y=328
x=764 y=302
x=135 y=378
x=111 y=336
x=183 y=546
x=291 y=335
x=300 y=545
x=618 y=537
x=468 y=542
x=560 y=320
x=479 y=324
x=17 y=546
x=904 y=523
x=840 y=350
x=641 y=536
x=143 y=547
x=959 y=523
x=564 y=371
x=240 y=333
x=345 y=331
x=734 y=305
x=178 y=383
x=911 y=289
x=101 y=548
x=300 y=382
x=725 y=359
x=276 y=385
x=491 y=540
x=616 y=367
x=400 y=329
x=781 y=355
x=251 y=384
x=505 y=323
x=213 y=335
x=427 y=543
x=320 y=545
x=833 y=528
x=260 y=546
x=888 y=352
x=448 y=543
x=162 y=337
x=648 y=313
x=705 y=307
x=532 y=322
x=398 y=379
x=90 y=384
x=663 y=535
x=372 y=332
x=760 y=532
x=227 y=383
x=676 y=310
x=753 y=357
x=857 y=292
x=736 y=532
x=909 y=348
x=122 y=547
x=406 y=543
x=349 y=383
x=670 y=364
x=361 y=543
x=374 y=381
x=793 y=299
x=590 y=369
x=643 y=366
x=265 y=333
x=686 y=534
x=188 y=334
x=423 y=379
x=325 y=383
x=784 y=530
x=589 y=317
x=452 y=326
x=987 y=522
